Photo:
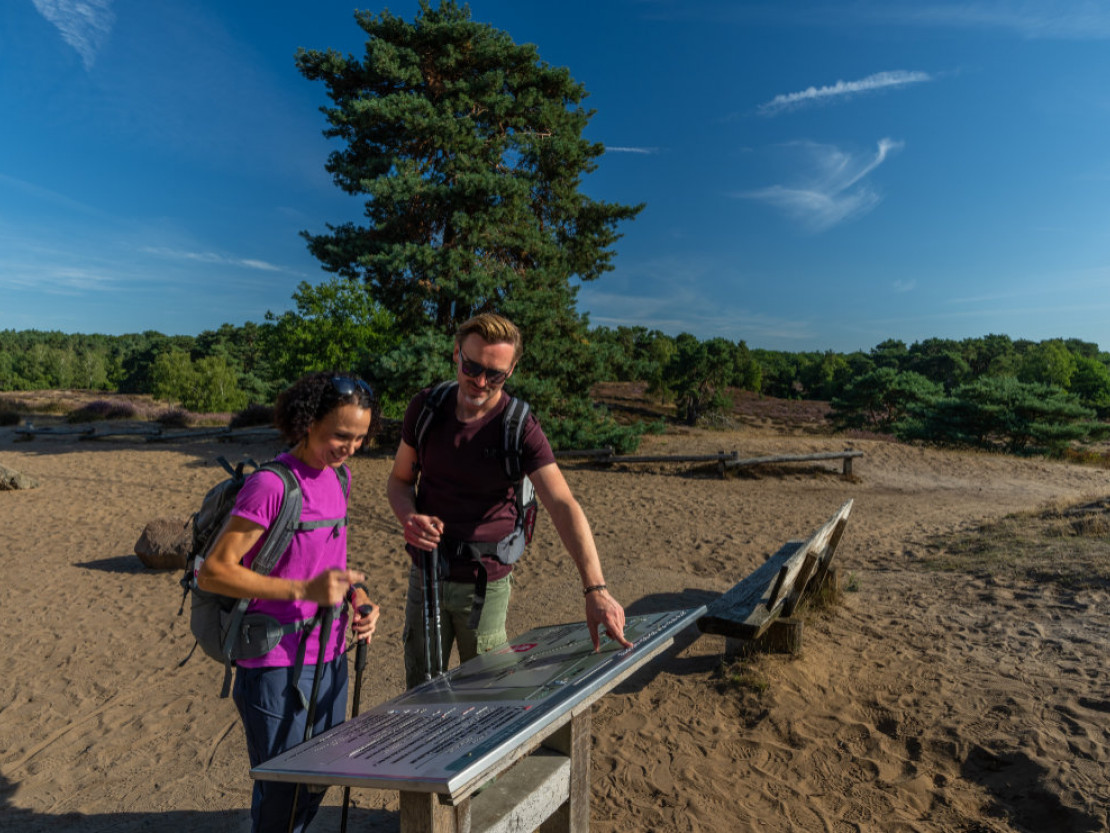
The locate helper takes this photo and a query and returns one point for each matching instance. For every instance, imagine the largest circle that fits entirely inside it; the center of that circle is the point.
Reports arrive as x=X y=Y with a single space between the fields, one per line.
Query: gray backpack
x=221 y=625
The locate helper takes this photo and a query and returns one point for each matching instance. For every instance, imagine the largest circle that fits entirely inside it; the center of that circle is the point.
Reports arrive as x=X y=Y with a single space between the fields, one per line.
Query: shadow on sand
x=17 y=820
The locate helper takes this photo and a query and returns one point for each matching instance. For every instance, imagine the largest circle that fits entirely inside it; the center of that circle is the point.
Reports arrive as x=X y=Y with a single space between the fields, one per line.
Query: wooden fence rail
x=720 y=456
x=724 y=459
x=603 y=456
x=847 y=455
x=148 y=433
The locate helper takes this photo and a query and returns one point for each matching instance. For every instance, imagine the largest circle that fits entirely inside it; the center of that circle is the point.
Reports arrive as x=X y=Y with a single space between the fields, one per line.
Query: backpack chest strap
x=336 y=523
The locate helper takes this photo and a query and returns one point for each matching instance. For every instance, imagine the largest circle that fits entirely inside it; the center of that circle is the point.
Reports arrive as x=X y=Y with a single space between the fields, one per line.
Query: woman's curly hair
x=313 y=397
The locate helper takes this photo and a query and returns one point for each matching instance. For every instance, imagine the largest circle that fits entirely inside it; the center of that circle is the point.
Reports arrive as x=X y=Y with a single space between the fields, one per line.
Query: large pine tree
x=469 y=152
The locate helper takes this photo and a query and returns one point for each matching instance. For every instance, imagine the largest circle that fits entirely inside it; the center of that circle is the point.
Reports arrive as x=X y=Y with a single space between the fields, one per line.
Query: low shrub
x=253 y=415
x=746 y=677
x=174 y=418
x=101 y=410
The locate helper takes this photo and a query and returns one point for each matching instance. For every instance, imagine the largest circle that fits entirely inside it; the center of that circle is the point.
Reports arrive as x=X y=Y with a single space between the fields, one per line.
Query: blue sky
x=817 y=175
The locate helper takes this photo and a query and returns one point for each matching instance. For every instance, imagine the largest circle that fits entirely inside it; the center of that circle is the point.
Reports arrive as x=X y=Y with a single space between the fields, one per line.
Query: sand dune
x=924 y=701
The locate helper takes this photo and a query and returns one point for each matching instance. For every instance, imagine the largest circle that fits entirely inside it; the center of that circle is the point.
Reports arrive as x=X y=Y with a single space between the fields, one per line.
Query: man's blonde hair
x=493 y=329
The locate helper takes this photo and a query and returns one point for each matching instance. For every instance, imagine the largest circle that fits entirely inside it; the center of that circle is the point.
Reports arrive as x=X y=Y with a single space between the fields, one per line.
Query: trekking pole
x=426 y=613
x=437 y=626
x=325 y=635
x=360 y=664
x=433 y=663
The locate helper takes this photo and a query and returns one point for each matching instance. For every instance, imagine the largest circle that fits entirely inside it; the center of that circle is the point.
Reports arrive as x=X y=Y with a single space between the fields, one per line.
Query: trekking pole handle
x=360 y=650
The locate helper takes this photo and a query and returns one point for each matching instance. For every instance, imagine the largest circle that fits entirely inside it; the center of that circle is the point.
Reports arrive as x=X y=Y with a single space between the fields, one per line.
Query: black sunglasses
x=345 y=386
x=474 y=370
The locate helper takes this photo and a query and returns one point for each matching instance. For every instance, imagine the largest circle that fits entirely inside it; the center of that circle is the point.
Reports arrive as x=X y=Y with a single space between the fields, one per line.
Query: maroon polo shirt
x=462 y=480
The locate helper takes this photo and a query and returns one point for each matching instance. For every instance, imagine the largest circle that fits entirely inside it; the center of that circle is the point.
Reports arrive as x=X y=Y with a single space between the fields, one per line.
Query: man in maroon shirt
x=465 y=498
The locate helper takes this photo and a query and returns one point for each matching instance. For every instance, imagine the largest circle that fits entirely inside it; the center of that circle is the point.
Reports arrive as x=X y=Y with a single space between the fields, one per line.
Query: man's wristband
x=587 y=591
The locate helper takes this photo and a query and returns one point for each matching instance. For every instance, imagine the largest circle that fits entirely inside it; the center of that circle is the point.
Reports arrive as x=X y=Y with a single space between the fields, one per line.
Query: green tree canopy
x=1002 y=412
x=991 y=355
x=939 y=359
x=469 y=154
x=336 y=326
x=172 y=376
x=1091 y=383
x=890 y=353
x=879 y=399
x=1050 y=363
x=205 y=386
x=698 y=373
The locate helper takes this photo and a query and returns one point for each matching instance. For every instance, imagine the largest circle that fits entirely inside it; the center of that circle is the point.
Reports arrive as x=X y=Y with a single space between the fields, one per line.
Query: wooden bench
x=757 y=612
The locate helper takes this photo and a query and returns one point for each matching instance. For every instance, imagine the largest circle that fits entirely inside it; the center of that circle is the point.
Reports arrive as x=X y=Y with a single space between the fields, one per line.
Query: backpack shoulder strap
x=432 y=404
x=512 y=437
x=285 y=524
x=512 y=456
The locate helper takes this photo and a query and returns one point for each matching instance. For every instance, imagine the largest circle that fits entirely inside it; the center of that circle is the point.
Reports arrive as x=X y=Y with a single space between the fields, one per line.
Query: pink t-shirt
x=311 y=552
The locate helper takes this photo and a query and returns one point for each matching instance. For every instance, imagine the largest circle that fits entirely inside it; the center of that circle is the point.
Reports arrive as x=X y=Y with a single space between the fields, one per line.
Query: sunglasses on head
x=345 y=386
x=474 y=370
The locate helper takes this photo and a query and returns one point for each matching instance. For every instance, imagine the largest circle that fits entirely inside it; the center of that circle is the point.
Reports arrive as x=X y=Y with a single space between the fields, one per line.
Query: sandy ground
x=923 y=701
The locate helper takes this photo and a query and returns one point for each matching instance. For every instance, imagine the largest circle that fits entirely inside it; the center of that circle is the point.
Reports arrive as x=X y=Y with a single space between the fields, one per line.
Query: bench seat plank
x=749 y=608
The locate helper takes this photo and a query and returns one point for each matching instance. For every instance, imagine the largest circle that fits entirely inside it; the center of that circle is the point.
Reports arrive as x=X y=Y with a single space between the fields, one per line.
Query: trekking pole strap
x=324 y=618
x=325 y=634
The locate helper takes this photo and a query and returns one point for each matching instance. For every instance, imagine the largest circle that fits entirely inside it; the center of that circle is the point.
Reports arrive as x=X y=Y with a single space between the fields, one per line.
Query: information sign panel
x=448 y=731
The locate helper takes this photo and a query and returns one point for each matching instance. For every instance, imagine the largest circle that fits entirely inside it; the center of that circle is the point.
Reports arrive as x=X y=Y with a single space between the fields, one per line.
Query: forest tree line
x=988 y=391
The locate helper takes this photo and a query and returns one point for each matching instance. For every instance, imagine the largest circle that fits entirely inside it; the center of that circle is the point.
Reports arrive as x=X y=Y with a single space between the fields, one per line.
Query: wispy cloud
x=842 y=89
x=647 y=151
x=1033 y=19
x=691 y=310
x=58 y=280
x=688 y=292
x=1036 y=19
x=213 y=258
x=84 y=24
x=45 y=195
x=834 y=193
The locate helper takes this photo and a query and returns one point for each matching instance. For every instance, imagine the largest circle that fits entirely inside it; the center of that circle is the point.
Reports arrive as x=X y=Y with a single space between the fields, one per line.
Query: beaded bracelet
x=594 y=587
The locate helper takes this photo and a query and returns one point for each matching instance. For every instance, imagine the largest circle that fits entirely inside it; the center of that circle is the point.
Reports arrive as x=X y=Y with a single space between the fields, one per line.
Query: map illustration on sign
x=444 y=731
x=533 y=667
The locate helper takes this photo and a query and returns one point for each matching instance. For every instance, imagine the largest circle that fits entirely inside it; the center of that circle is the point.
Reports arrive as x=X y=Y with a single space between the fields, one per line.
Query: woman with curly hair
x=325 y=417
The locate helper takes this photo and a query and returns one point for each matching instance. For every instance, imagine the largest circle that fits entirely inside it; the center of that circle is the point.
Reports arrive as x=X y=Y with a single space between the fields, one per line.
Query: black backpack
x=222 y=627
x=513 y=418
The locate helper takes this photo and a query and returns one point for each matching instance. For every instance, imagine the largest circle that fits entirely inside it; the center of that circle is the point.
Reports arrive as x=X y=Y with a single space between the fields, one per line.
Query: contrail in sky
x=878 y=81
